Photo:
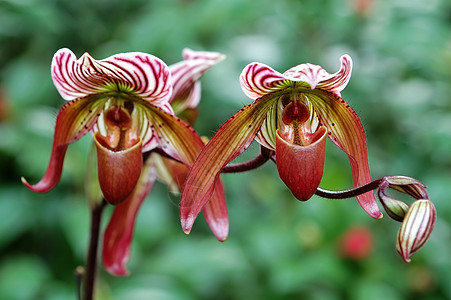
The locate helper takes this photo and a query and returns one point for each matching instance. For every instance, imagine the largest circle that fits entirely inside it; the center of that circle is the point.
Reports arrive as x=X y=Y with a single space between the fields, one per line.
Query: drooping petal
x=258 y=80
x=118 y=171
x=74 y=120
x=216 y=214
x=215 y=211
x=185 y=76
x=229 y=141
x=179 y=140
x=301 y=167
x=119 y=232
x=133 y=73
x=317 y=77
x=346 y=131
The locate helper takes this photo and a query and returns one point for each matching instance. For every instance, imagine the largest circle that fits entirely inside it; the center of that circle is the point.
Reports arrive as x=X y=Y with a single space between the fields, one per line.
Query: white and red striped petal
x=258 y=79
x=134 y=73
x=185 y=75
x=317 y=77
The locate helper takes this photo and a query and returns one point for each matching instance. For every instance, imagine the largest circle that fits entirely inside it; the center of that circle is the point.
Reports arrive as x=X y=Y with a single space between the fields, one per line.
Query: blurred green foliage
x=278 y=247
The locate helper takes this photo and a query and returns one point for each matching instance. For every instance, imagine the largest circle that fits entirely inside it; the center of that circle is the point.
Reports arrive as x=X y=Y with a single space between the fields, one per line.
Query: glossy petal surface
x=118 y=171
x=301 y=167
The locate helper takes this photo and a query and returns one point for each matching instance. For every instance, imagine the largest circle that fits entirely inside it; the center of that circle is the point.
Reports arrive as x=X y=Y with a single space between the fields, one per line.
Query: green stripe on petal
x=346 y=131
x=266 y=136
x=230 y=140
x=74 y=120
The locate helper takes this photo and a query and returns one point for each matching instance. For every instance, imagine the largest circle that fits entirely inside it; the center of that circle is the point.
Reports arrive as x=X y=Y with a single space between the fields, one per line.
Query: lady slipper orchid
x=292 y=114
x=125 y=101
x=185 y=77
x=113 y=98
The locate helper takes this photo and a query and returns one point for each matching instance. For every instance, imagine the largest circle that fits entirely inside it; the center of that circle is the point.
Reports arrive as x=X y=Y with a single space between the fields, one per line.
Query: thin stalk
x=349 y=193
x=91 y=259
x=264 y=155
x=79 y=274
x=254 y=163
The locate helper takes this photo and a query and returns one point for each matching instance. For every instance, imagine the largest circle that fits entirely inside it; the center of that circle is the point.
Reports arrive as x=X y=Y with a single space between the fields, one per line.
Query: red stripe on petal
x=185 y=76
x=336 y=82
x=258 y=79
x=135 y=73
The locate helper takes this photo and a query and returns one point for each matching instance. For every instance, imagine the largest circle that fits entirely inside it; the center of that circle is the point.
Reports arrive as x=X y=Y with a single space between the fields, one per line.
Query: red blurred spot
x=356 y=243
x=4 y=107
x=362 y=7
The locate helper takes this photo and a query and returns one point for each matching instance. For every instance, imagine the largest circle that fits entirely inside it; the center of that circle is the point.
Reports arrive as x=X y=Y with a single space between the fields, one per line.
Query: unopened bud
x=416 y=228
x=397 y=209
x=407 y=185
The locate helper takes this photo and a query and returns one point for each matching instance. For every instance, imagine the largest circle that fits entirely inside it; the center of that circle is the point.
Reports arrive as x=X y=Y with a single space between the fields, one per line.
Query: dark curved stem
x=259 y=160
x=160 y=152
x=264 y=155
x=91 y=260
x=349 y=193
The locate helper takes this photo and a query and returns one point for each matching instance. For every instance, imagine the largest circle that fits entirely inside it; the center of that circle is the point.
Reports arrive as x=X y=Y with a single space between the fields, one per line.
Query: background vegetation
x=278 y=247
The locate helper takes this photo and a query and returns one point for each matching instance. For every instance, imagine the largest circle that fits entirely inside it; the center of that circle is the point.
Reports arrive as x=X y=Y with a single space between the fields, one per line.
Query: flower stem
x=264 y=155
x=349 y=193
x=91 y=259
x=79 y=275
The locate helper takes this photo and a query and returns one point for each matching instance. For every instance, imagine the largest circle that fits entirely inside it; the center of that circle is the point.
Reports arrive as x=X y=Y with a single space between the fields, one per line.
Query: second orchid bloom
x=292 y=114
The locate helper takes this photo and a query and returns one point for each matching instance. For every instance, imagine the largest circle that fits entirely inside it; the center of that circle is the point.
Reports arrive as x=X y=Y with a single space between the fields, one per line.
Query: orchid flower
x=124 y=100
x=116 y=99
x=117 y=240
x=292 y=114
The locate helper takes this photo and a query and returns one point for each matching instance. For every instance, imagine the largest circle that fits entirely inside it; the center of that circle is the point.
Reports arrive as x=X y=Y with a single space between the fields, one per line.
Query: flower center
x=295 y=128
x=120 y=132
